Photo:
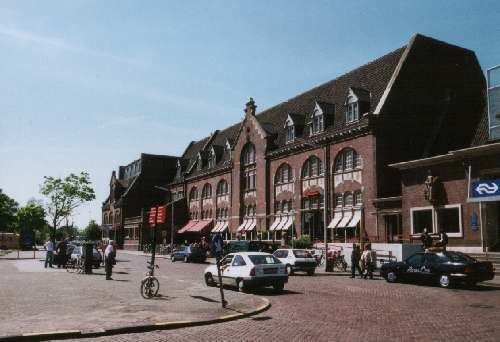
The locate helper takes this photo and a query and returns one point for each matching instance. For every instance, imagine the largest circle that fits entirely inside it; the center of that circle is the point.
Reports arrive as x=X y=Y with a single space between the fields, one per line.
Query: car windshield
x=459 y=257
x=260 y=259
x=299 y=253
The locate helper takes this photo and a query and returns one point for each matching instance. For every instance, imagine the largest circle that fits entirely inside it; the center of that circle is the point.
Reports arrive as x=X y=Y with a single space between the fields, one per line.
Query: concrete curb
x=65 y=334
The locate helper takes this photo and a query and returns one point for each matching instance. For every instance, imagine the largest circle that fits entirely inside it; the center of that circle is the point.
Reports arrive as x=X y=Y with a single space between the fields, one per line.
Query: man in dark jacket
x=62 y=256
x=355 y=257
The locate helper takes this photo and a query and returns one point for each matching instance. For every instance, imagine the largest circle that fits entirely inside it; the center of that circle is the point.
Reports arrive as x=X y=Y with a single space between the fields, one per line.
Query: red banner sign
x=152 y=217
x=162 y=214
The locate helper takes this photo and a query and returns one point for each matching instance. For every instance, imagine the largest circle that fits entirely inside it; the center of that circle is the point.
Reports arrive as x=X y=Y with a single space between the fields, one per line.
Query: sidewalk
x=47 y=301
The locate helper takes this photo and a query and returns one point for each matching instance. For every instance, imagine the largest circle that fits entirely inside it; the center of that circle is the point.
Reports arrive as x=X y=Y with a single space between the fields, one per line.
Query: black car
x=189 y=254
x=443 y=268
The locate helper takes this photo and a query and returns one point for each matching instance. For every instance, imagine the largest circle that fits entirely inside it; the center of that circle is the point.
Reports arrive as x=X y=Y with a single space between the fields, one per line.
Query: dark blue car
x=443 y=268
x=189 y=254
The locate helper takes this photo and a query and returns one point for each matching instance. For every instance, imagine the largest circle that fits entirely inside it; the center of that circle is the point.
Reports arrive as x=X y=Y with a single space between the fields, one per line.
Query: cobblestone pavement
x=326 y=308
x=38 y=299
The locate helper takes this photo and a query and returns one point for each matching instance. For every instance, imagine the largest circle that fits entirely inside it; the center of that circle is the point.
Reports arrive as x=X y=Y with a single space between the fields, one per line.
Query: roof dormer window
x=179 y=169
x=317 y=122
x=212 y=160
x=199 y=163
x=289 y=131
x=352 y=112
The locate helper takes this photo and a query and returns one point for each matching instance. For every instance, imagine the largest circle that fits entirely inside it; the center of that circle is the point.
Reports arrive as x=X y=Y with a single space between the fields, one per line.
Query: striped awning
x=344 y=223
x=251 y=224
x=276 y=223
x=286 y=223
x=337 y=217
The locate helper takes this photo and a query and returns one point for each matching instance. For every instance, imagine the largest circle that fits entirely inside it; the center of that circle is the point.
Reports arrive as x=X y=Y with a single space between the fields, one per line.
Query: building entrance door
x=393 y=228
x=491 y=233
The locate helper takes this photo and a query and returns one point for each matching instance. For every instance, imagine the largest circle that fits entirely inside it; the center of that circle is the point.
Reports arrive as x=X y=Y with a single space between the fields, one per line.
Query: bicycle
x=150 y=285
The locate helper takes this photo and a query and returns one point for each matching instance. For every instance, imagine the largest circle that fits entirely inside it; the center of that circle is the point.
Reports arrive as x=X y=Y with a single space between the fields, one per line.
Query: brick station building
x=273 y=173
x=131 y=194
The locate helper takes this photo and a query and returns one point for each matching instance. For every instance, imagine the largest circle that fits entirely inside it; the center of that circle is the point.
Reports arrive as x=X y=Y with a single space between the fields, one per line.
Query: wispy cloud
x=64 y=45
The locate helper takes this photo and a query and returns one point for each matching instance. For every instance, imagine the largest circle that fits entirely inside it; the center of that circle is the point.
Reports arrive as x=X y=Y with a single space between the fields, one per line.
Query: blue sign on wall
x=474 y=222
x=485 y=190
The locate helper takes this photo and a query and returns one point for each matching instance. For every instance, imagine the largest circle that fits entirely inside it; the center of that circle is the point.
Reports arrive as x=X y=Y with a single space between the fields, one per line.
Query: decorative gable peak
x=250 y=107
x=357 y=95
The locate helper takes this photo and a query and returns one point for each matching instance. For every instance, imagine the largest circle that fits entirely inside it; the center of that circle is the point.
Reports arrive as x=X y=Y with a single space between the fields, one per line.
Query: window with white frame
x=352 y=110
x=347 y=160
x=348 y=199
x=212 y=159
x=317 y=124
x=358 y=198
x=290 y=133
x=447 y=218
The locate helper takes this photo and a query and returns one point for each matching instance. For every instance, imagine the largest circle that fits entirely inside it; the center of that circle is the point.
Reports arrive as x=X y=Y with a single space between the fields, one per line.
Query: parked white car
x=249 y=269
x=296 y=260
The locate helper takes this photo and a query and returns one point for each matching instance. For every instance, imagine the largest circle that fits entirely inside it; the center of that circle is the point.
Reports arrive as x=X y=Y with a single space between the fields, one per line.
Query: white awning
x=287 y=223
x=243 y=225
x=355 y=219
x=251 y=225
x=344 y=223
x=337 y=216
x=276 y=223
x=224 y=226
x=217 y=227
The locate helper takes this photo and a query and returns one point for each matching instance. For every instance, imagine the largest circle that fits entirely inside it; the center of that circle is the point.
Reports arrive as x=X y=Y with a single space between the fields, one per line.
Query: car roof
x=250 y=253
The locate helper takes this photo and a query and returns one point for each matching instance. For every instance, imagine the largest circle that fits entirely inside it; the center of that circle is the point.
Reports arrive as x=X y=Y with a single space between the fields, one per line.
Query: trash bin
x=88 y=257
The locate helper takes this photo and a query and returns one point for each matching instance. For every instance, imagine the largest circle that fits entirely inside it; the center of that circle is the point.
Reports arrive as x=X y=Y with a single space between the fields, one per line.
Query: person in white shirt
x=49 y=256
x=109 y=259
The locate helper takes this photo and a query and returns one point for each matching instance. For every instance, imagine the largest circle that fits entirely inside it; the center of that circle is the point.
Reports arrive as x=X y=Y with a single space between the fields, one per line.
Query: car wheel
x=310 y=272
x=278 y=288
x=186 y=259
x=289 y=270
x=241 y=286
x=391 y=277
x=209 y=280
x=444 y=281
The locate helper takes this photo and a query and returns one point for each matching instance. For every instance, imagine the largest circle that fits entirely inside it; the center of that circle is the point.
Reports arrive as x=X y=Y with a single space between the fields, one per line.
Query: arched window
x=248 y=154
x=193 y=194
x=347 y=160
x=348 y=199
x=283 y=174
x=313 y=167
x=222 y=188
x=207 y=191
x=105 y=219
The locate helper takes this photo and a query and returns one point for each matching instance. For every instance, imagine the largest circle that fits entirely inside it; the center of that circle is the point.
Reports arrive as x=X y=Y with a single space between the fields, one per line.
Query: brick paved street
x=35 y=299
x=327 y=308
x=319 y=308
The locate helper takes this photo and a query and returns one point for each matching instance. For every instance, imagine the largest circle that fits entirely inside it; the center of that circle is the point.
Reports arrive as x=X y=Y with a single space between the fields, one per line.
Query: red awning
x=200 y=226
x=187 y=226
x=310 y=193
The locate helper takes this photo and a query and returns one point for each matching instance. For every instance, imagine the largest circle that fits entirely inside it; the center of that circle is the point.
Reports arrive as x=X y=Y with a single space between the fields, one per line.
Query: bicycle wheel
x=149 y=287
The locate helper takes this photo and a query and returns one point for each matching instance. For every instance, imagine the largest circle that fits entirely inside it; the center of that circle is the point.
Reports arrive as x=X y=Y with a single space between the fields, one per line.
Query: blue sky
x=89 y=85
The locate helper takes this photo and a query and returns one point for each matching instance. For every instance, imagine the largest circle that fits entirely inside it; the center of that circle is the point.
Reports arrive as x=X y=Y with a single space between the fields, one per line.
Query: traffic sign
x=162 y=214
x=152 y=216
x=485 y=190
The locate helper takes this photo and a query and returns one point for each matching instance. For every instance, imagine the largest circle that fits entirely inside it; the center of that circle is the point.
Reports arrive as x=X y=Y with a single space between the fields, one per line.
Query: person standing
x=355 y=258
x=369 y=261
x=109 y=259
x=426 y=239
x=49 y=246
x=443 y=239
x=61 y=253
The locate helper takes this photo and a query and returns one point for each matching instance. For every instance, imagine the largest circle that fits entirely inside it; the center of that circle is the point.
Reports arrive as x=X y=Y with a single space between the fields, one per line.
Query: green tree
x=65 y=195
x=92 y=231
x=8 y=209
x=31 y=221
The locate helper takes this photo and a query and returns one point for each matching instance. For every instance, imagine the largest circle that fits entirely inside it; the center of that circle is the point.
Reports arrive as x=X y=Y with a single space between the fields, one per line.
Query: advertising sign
x=152 y=217
x=485 y=190
x=162 y=214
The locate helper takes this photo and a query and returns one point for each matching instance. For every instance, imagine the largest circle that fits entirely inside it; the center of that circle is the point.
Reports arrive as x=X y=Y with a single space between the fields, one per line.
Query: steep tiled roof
x=372 y=77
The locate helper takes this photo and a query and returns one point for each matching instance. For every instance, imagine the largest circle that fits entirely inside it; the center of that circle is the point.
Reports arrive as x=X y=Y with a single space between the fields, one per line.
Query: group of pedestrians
x=365 y=262
x=53 y=249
